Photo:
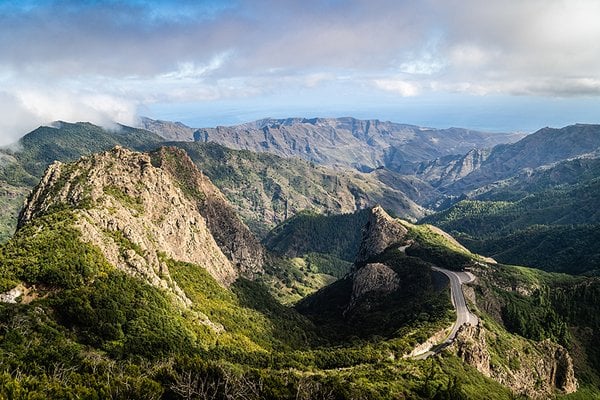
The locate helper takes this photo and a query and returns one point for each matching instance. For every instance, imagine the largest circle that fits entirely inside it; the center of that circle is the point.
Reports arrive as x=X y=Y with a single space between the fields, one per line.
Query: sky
x=497 y=65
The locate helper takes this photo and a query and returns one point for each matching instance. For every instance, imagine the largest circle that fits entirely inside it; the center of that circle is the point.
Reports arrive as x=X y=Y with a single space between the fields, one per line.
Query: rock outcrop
x=537 y=372
x=373 y=278
x=380 y=232
x=140 y=214
x=233 y=237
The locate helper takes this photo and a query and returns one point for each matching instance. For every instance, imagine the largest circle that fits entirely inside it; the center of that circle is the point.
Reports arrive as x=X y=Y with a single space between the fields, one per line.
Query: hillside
x=267 y=189
x=154 y=295
x=393 y=291
x=120 y=294
x=546 y=217
x=263 y=188
x=544 y=147
x=23 y=163
x=361 y=144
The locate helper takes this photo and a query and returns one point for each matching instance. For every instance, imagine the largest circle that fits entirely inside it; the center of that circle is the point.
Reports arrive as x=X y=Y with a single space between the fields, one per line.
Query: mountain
x=118 y=284
x=361 y=144
x=544 y=147
x=158 y=205
x=267 y=189
x=446 y=170
x=395 y=287
x=546 y=216
x=22 y=164
x=172 y=131
x=263 y=188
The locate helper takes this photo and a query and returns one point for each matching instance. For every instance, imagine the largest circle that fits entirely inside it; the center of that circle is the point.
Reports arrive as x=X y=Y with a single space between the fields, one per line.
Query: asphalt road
x=463 y=315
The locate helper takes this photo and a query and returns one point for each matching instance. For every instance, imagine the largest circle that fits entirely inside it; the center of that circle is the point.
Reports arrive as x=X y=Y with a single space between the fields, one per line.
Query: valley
x=141 y=267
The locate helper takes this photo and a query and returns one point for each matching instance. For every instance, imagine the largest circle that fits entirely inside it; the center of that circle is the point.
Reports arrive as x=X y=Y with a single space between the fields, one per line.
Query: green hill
x=553 y=228
x=267 y=189
x=74 y=324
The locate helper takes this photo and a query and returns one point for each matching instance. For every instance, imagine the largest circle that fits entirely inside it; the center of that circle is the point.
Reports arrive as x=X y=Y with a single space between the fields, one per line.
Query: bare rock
x=374 y=278
x=380 y=232
x=137 y=214
x=471 y=346
x=539 y=372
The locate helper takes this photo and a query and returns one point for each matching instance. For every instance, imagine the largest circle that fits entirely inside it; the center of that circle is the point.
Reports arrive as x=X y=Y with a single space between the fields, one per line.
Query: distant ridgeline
x=155 y=269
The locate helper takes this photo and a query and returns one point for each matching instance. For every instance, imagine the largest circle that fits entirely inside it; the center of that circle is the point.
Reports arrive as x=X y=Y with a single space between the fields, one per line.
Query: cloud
x=25 y=110
x=103 y=59
x=401 y=87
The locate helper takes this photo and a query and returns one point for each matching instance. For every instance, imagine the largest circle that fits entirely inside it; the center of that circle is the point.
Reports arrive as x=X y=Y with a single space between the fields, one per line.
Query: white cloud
x=104 y=60
x=401 y=87
x=24 y=110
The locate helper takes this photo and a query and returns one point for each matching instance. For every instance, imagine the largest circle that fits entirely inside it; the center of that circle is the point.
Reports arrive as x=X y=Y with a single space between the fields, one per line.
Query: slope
x=364 y=145
x=22 y=164
x=267 y=189
x=394 y=291
x=543 y=147
x=102 y=296
x=546 y=218
x=264 y=189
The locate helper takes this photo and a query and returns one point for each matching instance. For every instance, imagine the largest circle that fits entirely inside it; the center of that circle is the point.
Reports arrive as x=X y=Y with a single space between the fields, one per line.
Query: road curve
x=463 y=315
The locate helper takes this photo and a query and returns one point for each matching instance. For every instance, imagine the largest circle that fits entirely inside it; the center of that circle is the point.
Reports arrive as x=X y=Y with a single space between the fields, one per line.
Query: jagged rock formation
x=138 y=214
x=233 y=237
x=373 y=278
x=380 y=232
x=536 y=373
x=472 y=348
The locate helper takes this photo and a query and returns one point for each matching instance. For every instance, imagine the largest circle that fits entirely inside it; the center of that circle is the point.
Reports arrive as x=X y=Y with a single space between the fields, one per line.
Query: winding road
x=463 y=315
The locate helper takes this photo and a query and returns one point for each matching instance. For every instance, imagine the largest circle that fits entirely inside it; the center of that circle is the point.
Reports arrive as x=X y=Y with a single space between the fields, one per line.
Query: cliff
x=380 y=232
x=537 y=371
x=142 y=209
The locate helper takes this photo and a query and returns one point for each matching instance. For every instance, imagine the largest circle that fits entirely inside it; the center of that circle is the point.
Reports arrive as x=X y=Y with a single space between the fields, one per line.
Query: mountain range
x=135 y=266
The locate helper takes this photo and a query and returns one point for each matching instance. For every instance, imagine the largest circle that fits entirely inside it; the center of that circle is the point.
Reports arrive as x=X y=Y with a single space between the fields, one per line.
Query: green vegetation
x=291 y=279
x=418 y=304
x=88 y=330
x=11 y=201
x=266 y=189
x=538 y=305
x=436 y=247
x=67 y=142
x=555 y=229
x=49 y=252
x=309 y=232
x=22 y=166
x=134 y=203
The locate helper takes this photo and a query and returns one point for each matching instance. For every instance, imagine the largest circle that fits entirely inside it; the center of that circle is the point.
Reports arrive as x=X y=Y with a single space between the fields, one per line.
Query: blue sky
x=496 y=65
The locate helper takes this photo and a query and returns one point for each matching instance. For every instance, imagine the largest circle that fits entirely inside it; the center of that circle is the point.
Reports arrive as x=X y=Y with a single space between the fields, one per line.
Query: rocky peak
x=538 y=372
x=139 y=214
x=380 y=232
x=234 y=238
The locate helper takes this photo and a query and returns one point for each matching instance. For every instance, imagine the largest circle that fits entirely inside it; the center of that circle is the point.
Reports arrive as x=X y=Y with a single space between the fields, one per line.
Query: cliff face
x=537 y=372
x=380 y=232
x=373 y=279
x=140 y=214
x=233 y=237
x=446 y=170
